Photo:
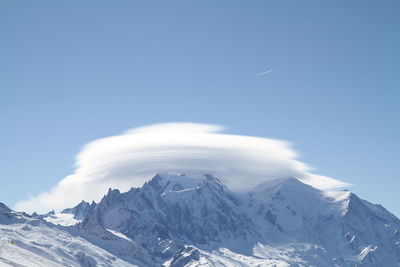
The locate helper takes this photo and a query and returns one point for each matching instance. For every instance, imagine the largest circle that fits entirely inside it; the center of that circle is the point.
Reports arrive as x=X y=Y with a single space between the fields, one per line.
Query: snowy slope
x=64 y=219
x=179 y=220
x=68 y=217
x=28 y=241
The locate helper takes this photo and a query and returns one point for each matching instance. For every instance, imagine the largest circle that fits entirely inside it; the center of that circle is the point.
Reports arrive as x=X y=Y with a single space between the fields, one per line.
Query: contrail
x=263 y=73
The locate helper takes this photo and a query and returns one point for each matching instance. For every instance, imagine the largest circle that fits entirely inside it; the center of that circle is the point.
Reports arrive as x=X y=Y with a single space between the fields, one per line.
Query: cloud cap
x=128 y=160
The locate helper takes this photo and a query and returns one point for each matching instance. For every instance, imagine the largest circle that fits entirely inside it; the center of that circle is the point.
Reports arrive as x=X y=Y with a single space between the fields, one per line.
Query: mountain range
x=195 y=220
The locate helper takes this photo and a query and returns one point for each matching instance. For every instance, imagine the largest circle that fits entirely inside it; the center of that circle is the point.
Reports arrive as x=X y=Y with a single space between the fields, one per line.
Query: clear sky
x=324 y=75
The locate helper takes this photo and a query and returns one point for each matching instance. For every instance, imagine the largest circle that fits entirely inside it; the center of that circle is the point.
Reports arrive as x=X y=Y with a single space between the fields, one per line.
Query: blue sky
x=75 y=71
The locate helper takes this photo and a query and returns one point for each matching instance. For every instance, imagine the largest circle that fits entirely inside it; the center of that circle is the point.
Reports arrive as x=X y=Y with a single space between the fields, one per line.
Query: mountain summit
x=185 y=220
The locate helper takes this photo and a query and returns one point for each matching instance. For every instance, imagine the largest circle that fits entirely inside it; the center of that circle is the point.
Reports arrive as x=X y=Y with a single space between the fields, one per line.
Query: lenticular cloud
x=129 y=159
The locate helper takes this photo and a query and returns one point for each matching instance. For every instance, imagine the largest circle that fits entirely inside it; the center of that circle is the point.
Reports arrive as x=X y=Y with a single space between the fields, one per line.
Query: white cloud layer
x=130 y=159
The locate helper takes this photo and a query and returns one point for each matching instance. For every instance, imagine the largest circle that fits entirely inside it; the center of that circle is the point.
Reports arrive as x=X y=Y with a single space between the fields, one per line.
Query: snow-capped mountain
x=80 y=211
x=178 y=220
x=31 y=241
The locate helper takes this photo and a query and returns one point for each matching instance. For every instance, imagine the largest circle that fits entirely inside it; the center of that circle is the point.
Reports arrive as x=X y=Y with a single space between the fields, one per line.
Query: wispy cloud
x=128 y=160
x=263 y=73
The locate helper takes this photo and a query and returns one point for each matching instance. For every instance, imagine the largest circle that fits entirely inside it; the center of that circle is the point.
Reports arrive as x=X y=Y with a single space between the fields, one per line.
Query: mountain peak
x=287 y=184
x=168 y=182
x=80 y=210
x=4 y=208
